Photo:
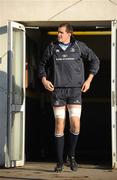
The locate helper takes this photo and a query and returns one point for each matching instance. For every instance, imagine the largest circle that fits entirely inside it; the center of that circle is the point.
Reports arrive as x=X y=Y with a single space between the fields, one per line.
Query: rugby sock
x=59 y=148
x=72 y=144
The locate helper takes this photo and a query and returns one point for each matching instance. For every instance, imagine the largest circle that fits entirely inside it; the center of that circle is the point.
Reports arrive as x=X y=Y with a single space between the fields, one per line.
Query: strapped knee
x=74 y=112
x=59 y=113
x=74 y=133
x=59 y=134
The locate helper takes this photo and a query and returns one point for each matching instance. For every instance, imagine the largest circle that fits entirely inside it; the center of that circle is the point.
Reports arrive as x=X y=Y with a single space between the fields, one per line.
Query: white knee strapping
x=73 y=111
x=74 y=133
x=59 y=112
x=59 y=135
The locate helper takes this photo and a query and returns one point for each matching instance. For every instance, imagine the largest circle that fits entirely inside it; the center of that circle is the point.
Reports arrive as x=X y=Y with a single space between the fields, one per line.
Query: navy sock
x=72 y=144
x=59 y=149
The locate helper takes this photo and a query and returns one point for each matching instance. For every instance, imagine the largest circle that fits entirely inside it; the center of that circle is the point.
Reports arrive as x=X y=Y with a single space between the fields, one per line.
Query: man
x=66 y=82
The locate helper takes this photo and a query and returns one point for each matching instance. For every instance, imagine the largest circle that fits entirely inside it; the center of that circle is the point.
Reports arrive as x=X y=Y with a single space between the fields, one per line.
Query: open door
x=114 y=93
x=15 y=95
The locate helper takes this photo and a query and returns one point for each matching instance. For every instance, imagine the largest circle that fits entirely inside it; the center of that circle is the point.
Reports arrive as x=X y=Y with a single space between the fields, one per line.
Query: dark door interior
x=94 y=143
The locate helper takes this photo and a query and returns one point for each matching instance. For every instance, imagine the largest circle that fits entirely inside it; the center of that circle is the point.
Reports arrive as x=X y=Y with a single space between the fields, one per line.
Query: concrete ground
x=44 y=171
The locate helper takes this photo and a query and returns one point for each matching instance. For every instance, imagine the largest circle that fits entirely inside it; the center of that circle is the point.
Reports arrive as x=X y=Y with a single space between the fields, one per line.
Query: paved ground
x=44 y=171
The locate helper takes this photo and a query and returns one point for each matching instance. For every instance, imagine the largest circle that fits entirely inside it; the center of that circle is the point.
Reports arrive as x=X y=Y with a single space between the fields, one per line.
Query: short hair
x=69 y=28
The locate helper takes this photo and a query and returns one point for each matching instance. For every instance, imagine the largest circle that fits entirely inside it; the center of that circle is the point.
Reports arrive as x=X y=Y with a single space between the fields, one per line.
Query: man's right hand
x=47 y=84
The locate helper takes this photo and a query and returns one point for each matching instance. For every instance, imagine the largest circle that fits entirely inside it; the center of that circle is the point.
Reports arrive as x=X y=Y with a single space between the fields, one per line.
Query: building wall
x=40 y=11
x=57 y=10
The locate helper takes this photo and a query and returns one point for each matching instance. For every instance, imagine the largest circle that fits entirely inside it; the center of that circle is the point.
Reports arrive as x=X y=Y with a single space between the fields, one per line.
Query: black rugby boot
x=73 y=163
x=58 y=168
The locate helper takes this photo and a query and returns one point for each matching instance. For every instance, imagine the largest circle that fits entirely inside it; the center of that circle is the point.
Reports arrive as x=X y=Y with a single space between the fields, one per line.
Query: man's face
x=63 y=35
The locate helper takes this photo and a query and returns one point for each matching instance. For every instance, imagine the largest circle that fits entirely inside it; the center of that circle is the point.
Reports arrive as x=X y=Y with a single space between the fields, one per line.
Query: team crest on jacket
x=57 y=50
x=72 y=50
x=65 y=55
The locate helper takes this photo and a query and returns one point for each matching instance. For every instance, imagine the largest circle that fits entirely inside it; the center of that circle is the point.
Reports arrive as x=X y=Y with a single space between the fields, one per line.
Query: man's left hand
x=87 y=83
x=85 y=86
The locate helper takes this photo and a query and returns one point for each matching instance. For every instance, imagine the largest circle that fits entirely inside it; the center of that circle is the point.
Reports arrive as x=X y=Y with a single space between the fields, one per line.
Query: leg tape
x=59 y=113
x=73 y=111
x=59 y=135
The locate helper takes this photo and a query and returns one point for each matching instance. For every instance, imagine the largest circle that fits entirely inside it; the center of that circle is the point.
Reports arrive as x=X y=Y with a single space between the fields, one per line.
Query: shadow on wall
x=10 y=128
x=3 y=30
x=3 y=114
x=3 y=96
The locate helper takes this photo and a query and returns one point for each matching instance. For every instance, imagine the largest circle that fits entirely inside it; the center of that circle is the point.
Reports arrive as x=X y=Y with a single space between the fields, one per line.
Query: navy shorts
x=63 y=96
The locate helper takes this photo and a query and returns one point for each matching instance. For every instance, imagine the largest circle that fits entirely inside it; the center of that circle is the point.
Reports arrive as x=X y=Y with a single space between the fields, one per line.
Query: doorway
x=94 y=143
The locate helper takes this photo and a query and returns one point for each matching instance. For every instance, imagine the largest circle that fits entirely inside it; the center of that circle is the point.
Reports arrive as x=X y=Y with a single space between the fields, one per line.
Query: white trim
x=113 y=94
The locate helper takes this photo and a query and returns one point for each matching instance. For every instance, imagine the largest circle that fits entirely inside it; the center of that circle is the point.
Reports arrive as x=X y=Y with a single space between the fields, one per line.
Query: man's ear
x=70 y=34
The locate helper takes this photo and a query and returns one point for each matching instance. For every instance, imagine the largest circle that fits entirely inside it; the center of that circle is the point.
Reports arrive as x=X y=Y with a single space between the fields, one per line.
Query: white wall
x=57 y=10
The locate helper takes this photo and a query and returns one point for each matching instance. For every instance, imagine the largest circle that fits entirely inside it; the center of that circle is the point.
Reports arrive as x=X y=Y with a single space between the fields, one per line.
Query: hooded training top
x=66 y=67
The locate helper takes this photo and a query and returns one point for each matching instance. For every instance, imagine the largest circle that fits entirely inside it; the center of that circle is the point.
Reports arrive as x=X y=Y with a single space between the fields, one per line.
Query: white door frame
x=10 y=161
x=114 y=93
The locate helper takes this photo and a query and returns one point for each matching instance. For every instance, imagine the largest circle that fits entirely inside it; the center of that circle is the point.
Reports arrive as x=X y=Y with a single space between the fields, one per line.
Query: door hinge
x=113 y=99
x=15 y=108
x=114 y=22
